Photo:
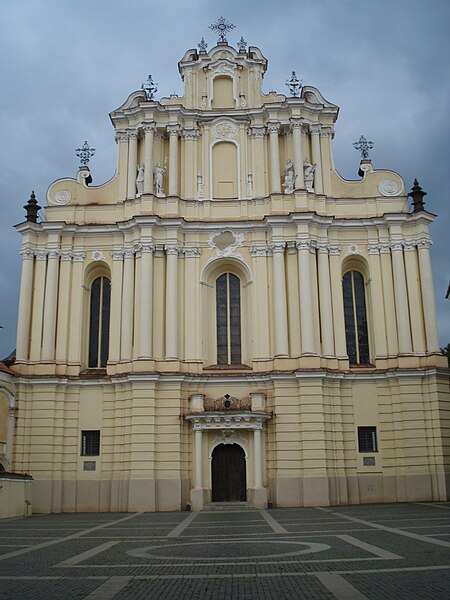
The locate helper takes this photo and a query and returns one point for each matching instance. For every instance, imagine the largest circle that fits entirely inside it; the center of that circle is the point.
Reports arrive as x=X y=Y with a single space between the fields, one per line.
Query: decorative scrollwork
x=224 y=130
x=387 y=187
x=62 y=197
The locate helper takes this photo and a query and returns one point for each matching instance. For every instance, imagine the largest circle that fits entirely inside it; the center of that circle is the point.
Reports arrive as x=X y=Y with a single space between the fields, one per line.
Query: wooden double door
x=229 y=478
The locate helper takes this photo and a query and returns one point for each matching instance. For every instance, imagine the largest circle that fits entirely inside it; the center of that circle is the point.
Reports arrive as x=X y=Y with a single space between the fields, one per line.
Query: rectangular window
x=367 y=439
x=90 y=443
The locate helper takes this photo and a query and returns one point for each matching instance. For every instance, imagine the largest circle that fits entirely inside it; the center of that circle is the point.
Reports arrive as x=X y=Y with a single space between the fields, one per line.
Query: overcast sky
x=65 y=65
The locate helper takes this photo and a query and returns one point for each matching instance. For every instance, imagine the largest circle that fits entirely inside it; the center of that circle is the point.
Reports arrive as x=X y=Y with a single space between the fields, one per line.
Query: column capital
x=323 y=248
x=133 y=134
x=327 y=131
x=79 y=255
x=373 y=248
x=149 y=126
x=257 y=251
x=315 y=129
x=117 y=254
x=172 y=249
x=190 y=133
x=296 y=123
x=424 y=243
x=273 y=127
x=129 y=252
x=278 y=246
x=334 y=249
x=193 y=252
x=303 y=244
x=409 y=245
x=41 y=254
x=257 y=131
x=66 y=255
x=53 y=253
x=173 y=129
x=121 y=135
x=396 y=245
x=27 y=253
x=145 y=247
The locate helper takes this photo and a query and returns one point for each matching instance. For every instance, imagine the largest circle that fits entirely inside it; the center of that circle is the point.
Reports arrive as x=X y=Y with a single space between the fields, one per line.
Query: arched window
x=355 y=318
x=228 y=319
x=99 y=322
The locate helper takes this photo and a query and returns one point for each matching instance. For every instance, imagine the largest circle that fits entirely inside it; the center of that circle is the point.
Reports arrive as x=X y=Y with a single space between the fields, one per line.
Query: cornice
x=250 y=379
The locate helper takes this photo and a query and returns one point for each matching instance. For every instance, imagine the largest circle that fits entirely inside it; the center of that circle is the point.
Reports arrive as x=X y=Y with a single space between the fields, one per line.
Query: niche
x=223 y=93
x=225 y=170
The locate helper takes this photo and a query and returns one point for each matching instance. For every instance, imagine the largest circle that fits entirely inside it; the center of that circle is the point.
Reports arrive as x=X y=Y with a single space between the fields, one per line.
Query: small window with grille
x=90 y=443
x=367 y=439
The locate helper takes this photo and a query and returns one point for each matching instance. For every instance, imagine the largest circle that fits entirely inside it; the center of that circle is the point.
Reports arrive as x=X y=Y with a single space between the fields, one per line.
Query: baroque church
x=227 y=319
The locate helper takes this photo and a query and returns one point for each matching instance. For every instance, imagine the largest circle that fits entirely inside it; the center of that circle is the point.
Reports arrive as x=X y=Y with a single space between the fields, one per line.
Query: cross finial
x=363 y=146
x=202 y=45
x=242 y=45
x=149 y=88
x=222 y=27
x=85 y=153
x=294 y=84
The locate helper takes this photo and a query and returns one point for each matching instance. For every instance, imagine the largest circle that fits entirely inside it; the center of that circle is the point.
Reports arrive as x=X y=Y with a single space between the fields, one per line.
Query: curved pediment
x=313 y=96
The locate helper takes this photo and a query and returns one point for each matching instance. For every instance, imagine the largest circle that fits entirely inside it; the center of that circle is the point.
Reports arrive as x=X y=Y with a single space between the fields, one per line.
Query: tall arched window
x=99 y=322
x=355 y=318
x=228 y=319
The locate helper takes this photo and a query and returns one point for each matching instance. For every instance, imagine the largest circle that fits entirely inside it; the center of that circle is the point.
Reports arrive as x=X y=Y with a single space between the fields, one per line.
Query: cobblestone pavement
x=349 y=553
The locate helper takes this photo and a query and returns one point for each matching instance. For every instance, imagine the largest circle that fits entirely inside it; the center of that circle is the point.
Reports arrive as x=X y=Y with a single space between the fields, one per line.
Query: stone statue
x=200 y=187
x=289 y=177
x=249 y=185
x=309 y=170
x=140 y=180
x=158 y=180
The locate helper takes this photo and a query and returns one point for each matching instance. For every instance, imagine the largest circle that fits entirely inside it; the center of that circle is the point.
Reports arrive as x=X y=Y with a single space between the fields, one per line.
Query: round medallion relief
x=62 y=197
x=387 y=187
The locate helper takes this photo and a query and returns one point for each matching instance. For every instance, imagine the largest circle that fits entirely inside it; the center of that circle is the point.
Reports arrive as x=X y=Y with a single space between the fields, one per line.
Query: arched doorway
x=229 y=481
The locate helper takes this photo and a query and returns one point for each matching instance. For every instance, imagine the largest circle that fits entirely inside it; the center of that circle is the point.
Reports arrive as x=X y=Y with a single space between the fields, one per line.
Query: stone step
x=228 y=506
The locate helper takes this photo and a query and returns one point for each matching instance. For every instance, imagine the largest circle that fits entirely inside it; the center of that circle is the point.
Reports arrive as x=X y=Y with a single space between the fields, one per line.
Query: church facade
x=227 y=318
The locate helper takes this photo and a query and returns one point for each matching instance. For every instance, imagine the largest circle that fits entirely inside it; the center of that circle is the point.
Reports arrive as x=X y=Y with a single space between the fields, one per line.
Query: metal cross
x=222 y=27
x=363 y=146
x=85 y=153
x=149 y=88
x=242 y=45
x=202 y=46
x=294 y=84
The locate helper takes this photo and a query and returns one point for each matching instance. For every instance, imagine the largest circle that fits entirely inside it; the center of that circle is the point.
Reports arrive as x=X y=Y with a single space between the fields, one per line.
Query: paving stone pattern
x=375 y=552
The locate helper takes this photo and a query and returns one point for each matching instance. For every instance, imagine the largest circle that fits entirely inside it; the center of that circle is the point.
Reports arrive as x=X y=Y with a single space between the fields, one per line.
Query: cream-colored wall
x=364 y=248
x=163 y=255
x=15 y=497
x=311 y=451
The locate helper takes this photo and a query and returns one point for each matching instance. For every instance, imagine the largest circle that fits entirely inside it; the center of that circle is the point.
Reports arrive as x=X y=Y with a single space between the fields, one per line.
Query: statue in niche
x=140 y=180
x=249 y=185
x=200 y=187
x=158 y=180
x=289 y=177
x=309 y=170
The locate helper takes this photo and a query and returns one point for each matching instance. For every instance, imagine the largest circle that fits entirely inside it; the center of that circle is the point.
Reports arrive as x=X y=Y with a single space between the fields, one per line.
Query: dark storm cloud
x=65 y=65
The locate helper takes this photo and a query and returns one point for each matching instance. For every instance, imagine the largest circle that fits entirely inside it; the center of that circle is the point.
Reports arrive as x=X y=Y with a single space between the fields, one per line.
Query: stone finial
x=417 y=195
x=32 y=208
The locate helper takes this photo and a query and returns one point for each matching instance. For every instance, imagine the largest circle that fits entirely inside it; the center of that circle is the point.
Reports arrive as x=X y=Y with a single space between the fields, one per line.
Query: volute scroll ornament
x=62 y=197
x=387 y=187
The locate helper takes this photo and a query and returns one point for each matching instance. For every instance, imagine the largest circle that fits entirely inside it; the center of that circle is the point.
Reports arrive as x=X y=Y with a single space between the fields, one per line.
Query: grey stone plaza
x=352 y=552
